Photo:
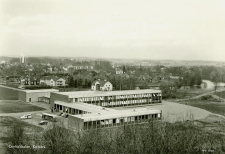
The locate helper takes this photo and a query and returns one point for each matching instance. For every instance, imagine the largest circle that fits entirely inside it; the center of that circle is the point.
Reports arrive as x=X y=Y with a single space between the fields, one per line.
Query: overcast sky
x=151 y=29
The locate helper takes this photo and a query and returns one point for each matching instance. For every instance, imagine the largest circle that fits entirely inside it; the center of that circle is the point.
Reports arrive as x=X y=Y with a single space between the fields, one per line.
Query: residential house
x=2 y=80
x=176 y=77
x=33 y=80
x=53 y=81
x=2 y=62
x=71 y=69
x=65 y=70
x=60 y=82
x=144 y=77
x=13 y=79
x=83 y=67
x=99 y=85
x=48 y=80
x=119 y=71
x=132 y=72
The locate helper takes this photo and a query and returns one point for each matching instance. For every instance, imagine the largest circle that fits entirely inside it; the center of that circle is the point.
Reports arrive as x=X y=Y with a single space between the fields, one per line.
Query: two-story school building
x=90 y=109
x=77 y=108
x=104 y=118
x=109 y=98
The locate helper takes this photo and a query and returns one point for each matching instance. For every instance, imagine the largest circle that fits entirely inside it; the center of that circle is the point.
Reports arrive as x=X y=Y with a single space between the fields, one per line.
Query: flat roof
x=44 y=97
x=77 y=94
x=117 y=114
x=85 y=107
x=40 y=90
x=48 y=114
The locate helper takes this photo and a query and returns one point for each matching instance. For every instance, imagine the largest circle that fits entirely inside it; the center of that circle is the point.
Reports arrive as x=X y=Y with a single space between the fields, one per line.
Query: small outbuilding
x=45 y=99
x=35 y=95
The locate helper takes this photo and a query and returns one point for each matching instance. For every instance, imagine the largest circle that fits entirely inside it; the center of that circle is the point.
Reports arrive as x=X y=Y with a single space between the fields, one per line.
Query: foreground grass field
x=10 y=106
x=7 y=122
x=153 y=137
x=212 y=123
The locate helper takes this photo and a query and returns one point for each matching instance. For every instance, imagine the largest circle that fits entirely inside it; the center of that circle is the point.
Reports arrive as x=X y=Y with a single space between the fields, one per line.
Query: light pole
x=120 y=81
x=222 y=89
x=29 y=75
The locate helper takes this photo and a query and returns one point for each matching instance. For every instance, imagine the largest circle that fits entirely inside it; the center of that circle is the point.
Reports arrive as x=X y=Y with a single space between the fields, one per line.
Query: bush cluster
x=206 y=97
x=38 y=87
x=151 y=138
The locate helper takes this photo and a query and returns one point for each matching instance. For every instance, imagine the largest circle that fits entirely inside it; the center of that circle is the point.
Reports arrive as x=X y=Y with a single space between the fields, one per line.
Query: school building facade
x=109 y=98
x=113 y=118
x=91 y=109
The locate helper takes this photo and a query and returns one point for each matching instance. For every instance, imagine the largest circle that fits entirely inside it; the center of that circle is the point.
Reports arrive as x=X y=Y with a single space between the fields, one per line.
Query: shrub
x=38 y=87
x=206 y=97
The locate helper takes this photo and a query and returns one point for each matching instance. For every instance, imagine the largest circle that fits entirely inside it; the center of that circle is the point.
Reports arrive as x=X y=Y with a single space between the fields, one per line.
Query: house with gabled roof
x=60 y=82
x=119 y=71
x=101 y=85
x=53 y=81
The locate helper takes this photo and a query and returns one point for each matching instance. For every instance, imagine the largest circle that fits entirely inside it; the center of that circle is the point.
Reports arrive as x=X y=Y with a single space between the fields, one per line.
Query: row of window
x=124 y=103
x=69 y=110
x=109 y=104
x=120 y=121
x=106 y=98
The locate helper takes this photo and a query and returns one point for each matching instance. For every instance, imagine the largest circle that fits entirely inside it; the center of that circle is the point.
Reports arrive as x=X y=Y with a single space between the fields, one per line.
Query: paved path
x=197 y=97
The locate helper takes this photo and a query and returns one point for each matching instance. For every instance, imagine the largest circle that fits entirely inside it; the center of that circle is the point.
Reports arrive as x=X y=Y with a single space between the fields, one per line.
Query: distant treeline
x=51 y=60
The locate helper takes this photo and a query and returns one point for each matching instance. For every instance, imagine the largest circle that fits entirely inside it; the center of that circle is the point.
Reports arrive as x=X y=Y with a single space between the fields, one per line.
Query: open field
x=216 y=107
x=220 y=94
x=187 y=93
x=8 y=94
x=197 y=91
x=13 y=106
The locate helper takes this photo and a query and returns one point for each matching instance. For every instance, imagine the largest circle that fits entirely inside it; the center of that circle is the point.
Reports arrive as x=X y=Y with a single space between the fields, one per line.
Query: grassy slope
x=221 y=94
x=8 y=94
x=209 y=105
x=7 y=106
x=7 y=122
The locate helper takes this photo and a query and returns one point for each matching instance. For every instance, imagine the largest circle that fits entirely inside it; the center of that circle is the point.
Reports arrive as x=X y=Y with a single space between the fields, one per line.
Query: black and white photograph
x=112 y=76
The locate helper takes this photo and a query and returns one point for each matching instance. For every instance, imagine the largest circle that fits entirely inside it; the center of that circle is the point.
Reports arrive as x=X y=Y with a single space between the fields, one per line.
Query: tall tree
x=71 y=82
x=215 y=77
x=124 y=69
x=192 y=79
x=75 y=83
